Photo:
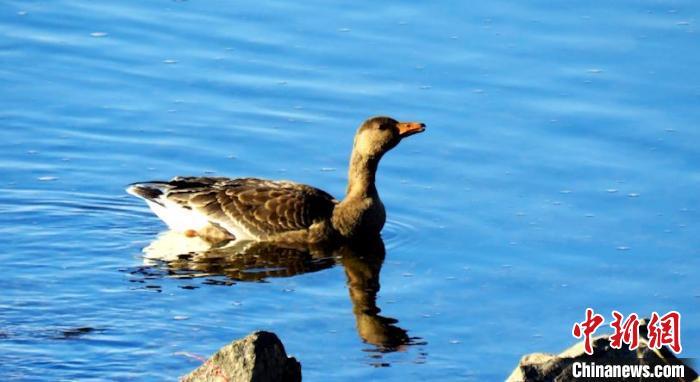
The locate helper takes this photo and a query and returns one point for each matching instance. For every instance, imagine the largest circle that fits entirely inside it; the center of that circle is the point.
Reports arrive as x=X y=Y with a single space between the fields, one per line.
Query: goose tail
x=178 y=217
x=150 y=191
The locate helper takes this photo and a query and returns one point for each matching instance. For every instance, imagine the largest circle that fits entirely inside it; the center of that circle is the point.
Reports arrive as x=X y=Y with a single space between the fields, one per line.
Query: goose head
x=377 y=135
x=361 y=212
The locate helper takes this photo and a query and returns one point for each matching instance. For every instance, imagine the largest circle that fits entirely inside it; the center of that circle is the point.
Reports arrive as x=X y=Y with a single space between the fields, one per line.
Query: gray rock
x=541 y=367
x=259 y=357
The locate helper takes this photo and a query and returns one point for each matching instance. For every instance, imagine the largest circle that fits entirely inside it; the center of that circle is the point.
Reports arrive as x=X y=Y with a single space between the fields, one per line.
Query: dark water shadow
x=172 y=255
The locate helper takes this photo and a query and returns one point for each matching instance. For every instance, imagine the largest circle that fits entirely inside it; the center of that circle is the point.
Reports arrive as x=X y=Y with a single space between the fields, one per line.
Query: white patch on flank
x=176 y=217
x=182 y=219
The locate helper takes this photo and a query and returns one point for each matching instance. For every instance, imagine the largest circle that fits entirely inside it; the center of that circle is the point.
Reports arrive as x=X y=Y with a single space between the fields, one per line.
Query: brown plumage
x=220 y=209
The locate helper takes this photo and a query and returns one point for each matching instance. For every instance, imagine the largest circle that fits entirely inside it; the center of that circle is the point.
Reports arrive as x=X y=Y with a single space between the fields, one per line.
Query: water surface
x=559 y=171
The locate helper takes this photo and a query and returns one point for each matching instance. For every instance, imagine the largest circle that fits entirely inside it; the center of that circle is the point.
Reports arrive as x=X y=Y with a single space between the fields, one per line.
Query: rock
x=541 y=367
x=259 y=357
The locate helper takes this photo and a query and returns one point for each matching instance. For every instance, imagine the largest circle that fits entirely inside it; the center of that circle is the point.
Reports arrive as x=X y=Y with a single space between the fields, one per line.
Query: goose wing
x=258 y=207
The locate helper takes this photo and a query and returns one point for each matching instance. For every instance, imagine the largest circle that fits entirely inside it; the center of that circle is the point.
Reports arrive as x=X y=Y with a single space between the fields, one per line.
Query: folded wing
x=249 y=207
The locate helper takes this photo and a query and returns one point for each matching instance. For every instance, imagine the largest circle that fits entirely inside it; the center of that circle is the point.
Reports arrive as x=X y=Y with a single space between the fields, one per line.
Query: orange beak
x=410 y=128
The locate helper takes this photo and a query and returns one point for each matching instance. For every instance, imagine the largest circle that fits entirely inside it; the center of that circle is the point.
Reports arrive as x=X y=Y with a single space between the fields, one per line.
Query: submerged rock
x=542 y=367
x=259 y=357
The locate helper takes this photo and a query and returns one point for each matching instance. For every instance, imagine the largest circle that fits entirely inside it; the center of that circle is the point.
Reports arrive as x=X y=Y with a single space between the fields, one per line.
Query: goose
x=219 y=209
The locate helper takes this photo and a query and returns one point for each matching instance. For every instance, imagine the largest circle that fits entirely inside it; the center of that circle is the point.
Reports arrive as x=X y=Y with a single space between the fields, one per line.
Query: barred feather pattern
x=263 y=208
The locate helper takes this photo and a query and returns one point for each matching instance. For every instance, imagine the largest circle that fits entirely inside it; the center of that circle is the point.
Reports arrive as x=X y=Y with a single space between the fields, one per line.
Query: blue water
x=560 y=170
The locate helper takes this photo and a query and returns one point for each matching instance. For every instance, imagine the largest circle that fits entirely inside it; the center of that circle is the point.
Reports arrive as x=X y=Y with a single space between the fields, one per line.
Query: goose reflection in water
x=185 y=257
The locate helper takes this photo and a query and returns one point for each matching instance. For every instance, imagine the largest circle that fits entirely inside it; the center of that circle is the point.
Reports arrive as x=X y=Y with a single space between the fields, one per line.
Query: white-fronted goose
x=220 y=209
